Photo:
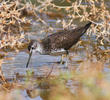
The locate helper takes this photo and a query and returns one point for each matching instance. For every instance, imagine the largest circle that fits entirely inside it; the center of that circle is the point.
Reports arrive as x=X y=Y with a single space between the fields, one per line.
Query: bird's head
x=32 y=47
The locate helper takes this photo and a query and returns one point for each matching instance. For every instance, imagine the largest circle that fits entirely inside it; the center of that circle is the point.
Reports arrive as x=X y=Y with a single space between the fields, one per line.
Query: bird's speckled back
x=64 y=39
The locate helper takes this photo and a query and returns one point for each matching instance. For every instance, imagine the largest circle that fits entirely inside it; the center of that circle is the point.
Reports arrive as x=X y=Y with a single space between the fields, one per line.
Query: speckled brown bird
x=59 y=41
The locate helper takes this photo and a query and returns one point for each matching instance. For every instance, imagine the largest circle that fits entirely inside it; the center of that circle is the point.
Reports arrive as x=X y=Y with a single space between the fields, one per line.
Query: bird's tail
x=84 y=29
x=87 y=26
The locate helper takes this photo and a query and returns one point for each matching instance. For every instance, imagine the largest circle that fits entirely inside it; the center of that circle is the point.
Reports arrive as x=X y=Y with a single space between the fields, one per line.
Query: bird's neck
x=40 y=48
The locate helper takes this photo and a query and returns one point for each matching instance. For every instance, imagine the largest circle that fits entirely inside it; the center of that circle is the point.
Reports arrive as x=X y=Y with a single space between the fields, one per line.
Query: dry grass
x=88 y=10
x=11 y=20
x=13 y=16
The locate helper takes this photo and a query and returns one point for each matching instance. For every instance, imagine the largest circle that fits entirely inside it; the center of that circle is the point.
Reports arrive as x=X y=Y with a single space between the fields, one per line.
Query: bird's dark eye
x=32 y=48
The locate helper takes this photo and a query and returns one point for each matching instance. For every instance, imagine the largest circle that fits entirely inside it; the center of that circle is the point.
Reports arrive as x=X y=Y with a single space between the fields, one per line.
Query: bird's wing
x=59 y=40
x=64 y=39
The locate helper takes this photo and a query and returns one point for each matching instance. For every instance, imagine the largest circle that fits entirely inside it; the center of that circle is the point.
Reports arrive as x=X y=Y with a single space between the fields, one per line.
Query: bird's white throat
x=39 y=48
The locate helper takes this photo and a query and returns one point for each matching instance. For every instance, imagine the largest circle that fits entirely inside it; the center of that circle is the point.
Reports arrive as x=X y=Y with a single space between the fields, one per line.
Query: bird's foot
x=29 y=72
x=61 y=62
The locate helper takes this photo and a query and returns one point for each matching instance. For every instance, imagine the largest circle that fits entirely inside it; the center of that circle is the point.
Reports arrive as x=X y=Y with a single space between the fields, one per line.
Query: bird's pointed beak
x=30 y=54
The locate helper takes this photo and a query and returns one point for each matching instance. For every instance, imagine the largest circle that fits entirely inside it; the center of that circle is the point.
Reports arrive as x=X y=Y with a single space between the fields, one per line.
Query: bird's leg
x=67 y=55
x=62 y=57
x=61 y=61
